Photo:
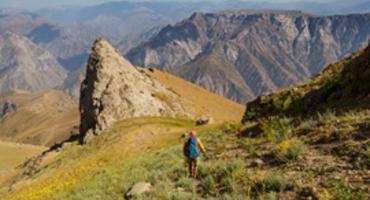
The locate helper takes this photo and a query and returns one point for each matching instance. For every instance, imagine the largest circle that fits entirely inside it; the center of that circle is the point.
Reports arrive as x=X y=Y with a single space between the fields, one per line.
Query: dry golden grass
x=13 y=154
x=199 y=100
x=42 y=118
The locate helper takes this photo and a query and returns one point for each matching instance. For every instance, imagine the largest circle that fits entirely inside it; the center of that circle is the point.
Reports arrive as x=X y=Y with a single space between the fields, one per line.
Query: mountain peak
x=27 y=66
x=114 y=89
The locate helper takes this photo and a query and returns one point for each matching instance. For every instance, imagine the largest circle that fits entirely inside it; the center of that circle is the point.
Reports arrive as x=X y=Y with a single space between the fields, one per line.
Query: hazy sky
x=35 y=4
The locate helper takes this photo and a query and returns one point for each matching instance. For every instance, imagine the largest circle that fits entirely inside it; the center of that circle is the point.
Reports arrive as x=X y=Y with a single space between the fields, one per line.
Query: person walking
x=192 y=150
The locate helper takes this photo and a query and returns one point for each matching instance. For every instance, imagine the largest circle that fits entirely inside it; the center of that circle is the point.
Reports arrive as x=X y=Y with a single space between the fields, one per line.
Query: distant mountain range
x=25 y=65
x=242 y=54
x=67 y=33
x=177 y=10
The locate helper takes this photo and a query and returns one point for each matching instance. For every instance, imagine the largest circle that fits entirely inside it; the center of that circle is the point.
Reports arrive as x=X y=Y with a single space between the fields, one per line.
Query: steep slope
x=242 y=54
x=27 y=66
x=321 y=127
x=341 y=86
x=39 y=118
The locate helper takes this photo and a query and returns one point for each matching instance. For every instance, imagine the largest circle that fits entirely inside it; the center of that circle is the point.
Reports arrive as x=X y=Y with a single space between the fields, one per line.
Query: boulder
x=257 y=163
x=204 y=121
x=138 y=189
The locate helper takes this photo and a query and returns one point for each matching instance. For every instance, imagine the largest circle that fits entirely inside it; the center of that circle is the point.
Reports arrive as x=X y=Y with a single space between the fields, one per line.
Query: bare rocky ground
x=319 y=158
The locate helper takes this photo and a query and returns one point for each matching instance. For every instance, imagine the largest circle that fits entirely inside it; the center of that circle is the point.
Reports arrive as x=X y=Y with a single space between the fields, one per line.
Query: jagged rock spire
x=114 y=89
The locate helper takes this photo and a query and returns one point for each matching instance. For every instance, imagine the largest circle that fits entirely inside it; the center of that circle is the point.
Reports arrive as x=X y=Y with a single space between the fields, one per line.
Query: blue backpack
x=191 y=149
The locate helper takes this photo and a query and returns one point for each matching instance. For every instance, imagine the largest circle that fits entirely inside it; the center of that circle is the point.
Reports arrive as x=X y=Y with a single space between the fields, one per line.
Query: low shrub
x=268 y=196
x=290 y=150
x=343 y=191
x=278 y=129
x=326 y=116
x=249 y=145
x=208 y=184
x=221 y=176
x=186 y=183
x=272 y=181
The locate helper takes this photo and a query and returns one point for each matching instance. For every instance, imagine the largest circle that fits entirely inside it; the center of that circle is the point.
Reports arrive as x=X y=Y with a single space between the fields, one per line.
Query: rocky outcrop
x=242 y=54
x=7 y=107
x=114 y=89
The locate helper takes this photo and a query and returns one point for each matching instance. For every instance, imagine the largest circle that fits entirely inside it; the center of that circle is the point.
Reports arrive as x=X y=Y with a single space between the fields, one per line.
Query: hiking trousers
x=193 y=166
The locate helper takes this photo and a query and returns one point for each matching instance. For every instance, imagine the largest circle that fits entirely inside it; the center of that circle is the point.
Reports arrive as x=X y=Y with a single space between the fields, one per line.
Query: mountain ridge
x=302 y=44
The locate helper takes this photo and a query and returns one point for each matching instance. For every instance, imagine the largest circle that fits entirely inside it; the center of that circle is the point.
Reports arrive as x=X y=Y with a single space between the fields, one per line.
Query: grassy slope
x=200 y=100
x=47 y=112
x=42 y=118
x=104 y=167
x=300 y=158
x=318 y=132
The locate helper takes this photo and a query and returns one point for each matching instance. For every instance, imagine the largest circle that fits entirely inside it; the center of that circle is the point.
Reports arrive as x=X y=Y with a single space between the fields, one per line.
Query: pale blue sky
x=32 y=4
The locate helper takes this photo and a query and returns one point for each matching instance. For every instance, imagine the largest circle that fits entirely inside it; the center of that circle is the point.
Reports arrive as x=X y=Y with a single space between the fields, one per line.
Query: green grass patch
x=278 y=129
x=343 y=191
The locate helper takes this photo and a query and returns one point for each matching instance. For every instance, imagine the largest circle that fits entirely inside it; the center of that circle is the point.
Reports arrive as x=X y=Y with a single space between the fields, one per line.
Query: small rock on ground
x=138 y=189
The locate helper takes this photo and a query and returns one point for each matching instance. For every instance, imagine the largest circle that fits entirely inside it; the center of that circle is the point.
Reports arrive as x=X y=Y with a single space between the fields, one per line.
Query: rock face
x=26 y=66
x=242 y=54
x=114 y=89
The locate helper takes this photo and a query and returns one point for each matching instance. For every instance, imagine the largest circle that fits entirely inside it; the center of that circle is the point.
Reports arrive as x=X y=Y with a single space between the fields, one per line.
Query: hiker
x=192 y=148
